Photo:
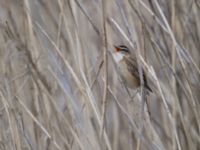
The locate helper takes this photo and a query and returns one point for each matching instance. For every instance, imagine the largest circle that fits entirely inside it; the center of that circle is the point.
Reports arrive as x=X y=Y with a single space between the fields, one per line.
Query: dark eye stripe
x=123 y=48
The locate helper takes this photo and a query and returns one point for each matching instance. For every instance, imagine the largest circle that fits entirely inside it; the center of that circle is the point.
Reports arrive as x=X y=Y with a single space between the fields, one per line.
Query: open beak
x=117 y=49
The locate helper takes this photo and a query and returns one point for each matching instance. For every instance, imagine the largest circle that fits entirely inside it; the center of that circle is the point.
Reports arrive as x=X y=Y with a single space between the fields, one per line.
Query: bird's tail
x=148 y=88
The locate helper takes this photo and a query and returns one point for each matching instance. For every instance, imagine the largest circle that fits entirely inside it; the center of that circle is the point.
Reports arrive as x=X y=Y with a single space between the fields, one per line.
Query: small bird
x=128 y=68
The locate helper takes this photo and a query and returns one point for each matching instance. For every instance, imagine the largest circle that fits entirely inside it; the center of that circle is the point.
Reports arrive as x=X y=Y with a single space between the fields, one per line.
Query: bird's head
x=120 y=52
x=122 y=49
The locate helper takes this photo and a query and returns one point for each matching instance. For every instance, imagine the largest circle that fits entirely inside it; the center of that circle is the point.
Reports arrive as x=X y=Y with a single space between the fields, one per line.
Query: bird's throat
x=118 y=56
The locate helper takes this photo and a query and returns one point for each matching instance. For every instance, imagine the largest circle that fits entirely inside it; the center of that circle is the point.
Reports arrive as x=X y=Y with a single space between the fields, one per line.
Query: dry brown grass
x=59 y=87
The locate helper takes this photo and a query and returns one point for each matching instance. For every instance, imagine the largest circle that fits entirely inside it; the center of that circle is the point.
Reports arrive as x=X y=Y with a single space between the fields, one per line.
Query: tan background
x=52 y=83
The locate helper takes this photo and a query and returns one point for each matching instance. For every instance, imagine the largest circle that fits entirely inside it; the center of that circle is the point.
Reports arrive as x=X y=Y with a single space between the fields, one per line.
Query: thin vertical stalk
x=105 y=92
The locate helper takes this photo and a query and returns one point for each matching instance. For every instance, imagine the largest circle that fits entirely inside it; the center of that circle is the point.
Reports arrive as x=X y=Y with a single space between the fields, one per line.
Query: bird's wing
x=133 y=68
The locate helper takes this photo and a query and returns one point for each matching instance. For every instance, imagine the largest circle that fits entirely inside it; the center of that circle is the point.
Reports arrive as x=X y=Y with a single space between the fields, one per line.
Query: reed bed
x=60 y=88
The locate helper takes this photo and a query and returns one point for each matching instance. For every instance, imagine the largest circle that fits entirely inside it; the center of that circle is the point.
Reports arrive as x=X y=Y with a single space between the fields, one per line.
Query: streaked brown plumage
x=128 y=68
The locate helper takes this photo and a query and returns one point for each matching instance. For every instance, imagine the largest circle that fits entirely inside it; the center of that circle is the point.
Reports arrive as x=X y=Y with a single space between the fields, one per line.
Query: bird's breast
x=129 y=78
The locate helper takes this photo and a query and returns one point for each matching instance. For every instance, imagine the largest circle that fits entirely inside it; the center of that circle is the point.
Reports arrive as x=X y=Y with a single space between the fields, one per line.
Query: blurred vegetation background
x=59 y=86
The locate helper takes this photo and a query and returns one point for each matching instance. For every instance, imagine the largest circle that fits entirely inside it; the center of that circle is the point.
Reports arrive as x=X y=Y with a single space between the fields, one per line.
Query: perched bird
x=128 y=68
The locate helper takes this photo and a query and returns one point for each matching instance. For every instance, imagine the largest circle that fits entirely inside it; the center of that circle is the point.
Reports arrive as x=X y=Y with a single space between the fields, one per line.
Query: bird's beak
x=116 y=48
